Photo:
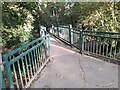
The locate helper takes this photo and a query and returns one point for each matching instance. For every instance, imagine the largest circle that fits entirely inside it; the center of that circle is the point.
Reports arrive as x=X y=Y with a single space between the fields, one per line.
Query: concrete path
x=68 y=69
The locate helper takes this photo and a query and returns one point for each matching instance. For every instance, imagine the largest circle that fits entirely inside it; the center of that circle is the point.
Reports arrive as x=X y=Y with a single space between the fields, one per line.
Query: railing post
x=8 y=72
x=45 y=30
x=69 y=34
x=81 y=41
x=49 y=49
x=2 y=82
x=58 y=31
x=53 y=30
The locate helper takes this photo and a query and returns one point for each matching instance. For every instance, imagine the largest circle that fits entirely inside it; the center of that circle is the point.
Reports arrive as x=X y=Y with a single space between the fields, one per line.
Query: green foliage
x=104 y=19
x=16 y=23
x=18 y=17
x=12 y=15
x=15 y=37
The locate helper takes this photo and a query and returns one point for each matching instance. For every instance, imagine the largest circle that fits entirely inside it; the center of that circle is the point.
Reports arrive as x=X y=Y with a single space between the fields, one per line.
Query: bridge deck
x=68 y=69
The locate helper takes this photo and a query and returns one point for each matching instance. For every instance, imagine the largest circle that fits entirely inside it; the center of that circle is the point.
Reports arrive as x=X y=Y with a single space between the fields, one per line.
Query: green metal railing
x=106 y=44
x=2 y=82
x=22 y=64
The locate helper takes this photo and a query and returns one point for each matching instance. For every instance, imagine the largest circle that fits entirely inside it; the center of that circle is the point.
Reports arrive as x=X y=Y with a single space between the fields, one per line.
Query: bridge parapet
x=101 y=44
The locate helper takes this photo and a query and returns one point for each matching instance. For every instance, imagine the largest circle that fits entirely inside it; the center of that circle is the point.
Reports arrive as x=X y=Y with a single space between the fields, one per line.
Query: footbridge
x=64 y=58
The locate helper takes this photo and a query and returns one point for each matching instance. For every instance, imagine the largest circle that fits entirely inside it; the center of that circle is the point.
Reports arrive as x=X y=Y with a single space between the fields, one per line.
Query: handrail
x=24 y=46
x=102 y=36
x=28 y=61
x=25 y=53
x=99 y=43
x=100 y=32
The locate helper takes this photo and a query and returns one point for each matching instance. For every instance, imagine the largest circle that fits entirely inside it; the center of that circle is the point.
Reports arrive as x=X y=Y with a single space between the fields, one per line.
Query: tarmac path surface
x=68 y=69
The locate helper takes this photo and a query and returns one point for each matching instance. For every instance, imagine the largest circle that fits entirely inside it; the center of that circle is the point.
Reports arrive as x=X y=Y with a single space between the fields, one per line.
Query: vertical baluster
x=26 y=63
x=16 y=79
x=49 y=50
x=33 y=61
x=115 y=51
x=33 y=65
x=119 y=52
x=44 y=52
x=111 y=50
x=43 y=48
x=41 y=56
x=8 y=71
x=85 y=45
x=69 y=34
x=91 y=45
x=46 y=49
x=82 y=44
x=23 y=66
x=54 y=30
x=35 y=55
x=35 y=58
x=38 y=53
x=47 y=46
x=29 y=59
x=107 y=49
x=2 y=82
x=103 y=53
x=88 y=46
x=73 y=36
x=19 y=69
x=99 y=47
x=38 y=56
x=14 y=71
x=94 y=46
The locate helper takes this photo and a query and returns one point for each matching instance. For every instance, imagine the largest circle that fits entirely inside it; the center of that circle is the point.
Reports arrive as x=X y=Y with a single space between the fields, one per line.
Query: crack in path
x=83 y=76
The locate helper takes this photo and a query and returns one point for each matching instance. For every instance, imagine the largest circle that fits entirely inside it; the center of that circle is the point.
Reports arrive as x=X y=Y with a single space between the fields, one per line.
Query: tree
x=104 y=19
x=17 y=22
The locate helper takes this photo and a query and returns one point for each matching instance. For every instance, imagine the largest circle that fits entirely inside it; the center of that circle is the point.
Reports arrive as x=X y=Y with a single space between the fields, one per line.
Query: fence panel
x=76 y=38
x=22 y=64
x=2 y=82
x=102 y=43
x=106 y=44
x=64 y=33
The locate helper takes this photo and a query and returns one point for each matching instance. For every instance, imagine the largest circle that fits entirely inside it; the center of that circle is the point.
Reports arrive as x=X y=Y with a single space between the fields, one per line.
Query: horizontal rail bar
x=76 y=32
x=109 y=46
x=103 y=37
x=25 y=53
x=89 y=31
x=98 y=32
